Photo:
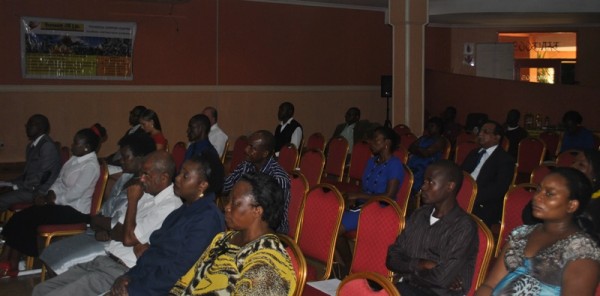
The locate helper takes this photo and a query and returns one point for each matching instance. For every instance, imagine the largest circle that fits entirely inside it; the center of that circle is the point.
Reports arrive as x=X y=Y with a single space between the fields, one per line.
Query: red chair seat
x=346 y=187
x=20 y=206
x=62 y=227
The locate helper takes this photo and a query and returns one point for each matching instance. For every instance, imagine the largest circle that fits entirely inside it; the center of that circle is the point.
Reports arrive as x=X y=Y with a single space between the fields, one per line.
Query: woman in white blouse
x=68 y=201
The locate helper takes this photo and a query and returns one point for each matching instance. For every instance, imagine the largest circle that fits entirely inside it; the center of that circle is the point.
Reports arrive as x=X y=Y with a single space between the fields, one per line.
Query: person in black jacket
x=288 y=130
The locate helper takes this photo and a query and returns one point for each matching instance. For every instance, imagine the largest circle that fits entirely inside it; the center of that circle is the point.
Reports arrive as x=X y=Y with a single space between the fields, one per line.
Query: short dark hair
x=268 y=140
x=437 y=121
x=289 y=106
x=149 y=114
x=388 y=134
x=202 y=120
x=163 y=163
x=355 y=110
x=580 y=187
x=498 y=130
x=43 y=122
x=213 y=112
x=573 y=116
x=138 y=110
x=140 y=144
x=452 y=172
x=268 y=194
x=205 y=170
x=90 y=137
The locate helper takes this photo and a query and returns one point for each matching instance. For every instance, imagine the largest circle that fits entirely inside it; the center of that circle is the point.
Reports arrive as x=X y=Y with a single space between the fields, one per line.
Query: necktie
x=479 y=156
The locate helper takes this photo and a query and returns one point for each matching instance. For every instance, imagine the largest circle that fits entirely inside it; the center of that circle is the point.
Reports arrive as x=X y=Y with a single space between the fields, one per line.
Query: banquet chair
x=298 y=190
x=288 y=157
x=463 y=136
x=505 y=143
x=485 y=250
x=462 y=150
x=379 y=223
x=552 y=140
x=447 y=148
x=320 y=218
x=402 y=129
x=515 y=201
x=404 y=192
x=337 y=152
x=312 y=163
x=225 y=149
x=298 y=261
x=567 y=158
x=402 y=153
x=530 y=155
x=358 y=162
x=540 y=172
x=50 y=231
x=316 y=141
x=358 y=285
x=178 y=154
x=239 y=152
x=407 y=139
x=467 y=193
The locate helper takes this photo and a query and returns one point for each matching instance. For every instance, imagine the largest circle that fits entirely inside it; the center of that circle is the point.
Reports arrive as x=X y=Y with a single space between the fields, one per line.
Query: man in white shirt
x=289 y=130
x=216 y=136
x=493 y=169
x=149 y=203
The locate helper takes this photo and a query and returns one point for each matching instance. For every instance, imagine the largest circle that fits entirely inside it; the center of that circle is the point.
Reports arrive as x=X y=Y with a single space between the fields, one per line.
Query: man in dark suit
x=353 y=129
x=493 y=169
x=42 y=165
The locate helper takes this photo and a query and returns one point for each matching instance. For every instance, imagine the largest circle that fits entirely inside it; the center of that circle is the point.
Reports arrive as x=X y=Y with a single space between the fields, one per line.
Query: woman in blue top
x=382 y=176
x=425 y=151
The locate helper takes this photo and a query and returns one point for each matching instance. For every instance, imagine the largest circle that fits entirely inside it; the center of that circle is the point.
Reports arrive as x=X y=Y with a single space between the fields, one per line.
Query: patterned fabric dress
x=261 y=267
x=542 y=274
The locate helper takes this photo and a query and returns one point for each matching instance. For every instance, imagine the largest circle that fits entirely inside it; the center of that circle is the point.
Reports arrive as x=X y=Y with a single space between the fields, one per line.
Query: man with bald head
x=150 y=200
x=216 y=136
x=260 y=158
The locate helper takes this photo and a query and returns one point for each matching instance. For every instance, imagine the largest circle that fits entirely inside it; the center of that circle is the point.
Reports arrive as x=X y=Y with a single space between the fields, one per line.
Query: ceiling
x=486 y=13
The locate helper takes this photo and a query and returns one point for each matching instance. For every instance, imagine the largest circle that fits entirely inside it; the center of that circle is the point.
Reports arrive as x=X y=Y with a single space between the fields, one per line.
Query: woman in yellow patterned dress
x=249 y=259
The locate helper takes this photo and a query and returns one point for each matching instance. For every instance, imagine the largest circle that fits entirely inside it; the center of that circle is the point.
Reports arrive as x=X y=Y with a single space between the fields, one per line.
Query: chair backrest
x=403 y=194
x=485 y=251
x=99 y=189
x=379 y=223
x=320 y=218
x=358 y=285
x=225 y=150
x=447 y=148
x=178 y=154
x=298 y=190
x=467 y=193
x=298 y=261
x=552 y=140
x=567 y=158
x=515 y=201
x=312 y=163
x=462 y=150
x=316 y=141
x=463 y=136
x=402 y=153
x=65 y=154
x=505 y=143
x=407 y=139
x=337 y=151
x=402 y=129
x=540 y=172
x=288 y=157
x=239 y=152
x=530 y=154
x=358 y=161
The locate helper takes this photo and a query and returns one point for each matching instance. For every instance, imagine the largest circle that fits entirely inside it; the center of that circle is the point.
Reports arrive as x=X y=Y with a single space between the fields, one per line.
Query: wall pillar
x=408 y=19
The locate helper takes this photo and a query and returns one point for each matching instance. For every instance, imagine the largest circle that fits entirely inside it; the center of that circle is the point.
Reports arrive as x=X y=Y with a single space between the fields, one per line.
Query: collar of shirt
x=36 y=141
x=449 y=218
x=133 y=129
x=214 y=127
x=509 y=128
x=283 y=125
x=84 y=158
x=163 y=195
x=489 y=151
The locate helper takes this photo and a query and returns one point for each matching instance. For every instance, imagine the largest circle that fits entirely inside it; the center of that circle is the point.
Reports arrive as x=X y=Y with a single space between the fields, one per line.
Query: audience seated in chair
x=42 y=166
x=514 y=133
x=556 y=257
x=134 y=128
x=575 y=136
x=151 y=124
x=249 y=259
x=149 y=201
x=260 y=158
x=493 y=170
x=450 y=127
x=61 y=255
x=217 y=137
x=197 y=133
x=68 y=201
x=288 y=130
x=353 y=129
x=426 y=150
x=435 y=253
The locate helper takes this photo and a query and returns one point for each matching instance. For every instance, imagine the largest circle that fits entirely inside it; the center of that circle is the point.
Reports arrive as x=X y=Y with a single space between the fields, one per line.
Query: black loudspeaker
x=386 y=86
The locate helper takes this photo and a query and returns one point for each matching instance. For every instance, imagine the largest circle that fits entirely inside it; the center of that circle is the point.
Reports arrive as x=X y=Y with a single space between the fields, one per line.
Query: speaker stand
x=387 y=122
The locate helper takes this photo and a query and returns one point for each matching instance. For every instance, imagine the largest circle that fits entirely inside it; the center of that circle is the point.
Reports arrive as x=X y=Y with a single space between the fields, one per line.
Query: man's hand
x=135 y=192
x=139 y=249
x=456 y=285
x=119 y=288
x=426 y=264
x=102 y=236
x=39 y=200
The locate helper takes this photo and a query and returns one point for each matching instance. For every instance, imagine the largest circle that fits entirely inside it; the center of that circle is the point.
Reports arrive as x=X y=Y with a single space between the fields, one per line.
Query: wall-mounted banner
x=76 y=49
